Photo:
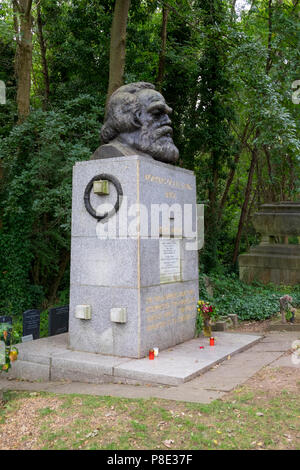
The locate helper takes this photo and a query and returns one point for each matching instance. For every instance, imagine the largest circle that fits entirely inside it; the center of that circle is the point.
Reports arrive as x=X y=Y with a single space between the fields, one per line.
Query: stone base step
x=50 y=359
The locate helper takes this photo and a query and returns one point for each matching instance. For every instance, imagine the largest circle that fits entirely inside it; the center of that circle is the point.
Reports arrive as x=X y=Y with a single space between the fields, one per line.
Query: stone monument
x=134 y=258
x=274 y=259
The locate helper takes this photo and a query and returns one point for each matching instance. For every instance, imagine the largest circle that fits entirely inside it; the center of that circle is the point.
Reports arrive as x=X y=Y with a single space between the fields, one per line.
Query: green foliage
x=199 y=325
x=208 y=133
x=77 y=34
x=249 y=302
x=228 y=78
x=8 y=112
x=38 y=157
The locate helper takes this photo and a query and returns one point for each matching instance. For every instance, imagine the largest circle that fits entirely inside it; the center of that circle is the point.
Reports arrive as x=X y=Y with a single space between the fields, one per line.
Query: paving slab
x=281 y=337
x=186 y=361
x=173 y=366
x=271 y=347
x=131 y=391
x=235 y=371
x=285 y=361
x=114 y=390
x=42 y=350
x=84 y=366
x=211 y=385
x=284 y=327
x=29 y=371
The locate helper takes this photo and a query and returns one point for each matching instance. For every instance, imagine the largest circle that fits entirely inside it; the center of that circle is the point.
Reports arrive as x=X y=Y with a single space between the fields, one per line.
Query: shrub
x=35 y=201
x=250 y=302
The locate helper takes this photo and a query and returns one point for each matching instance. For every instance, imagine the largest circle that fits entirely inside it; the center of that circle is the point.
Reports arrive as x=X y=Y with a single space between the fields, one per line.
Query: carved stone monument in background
x=134 y=258
x=275 y=259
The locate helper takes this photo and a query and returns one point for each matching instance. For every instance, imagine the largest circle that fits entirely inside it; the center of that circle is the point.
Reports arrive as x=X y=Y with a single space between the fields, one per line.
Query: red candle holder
x=211 y=341
x=151 y=354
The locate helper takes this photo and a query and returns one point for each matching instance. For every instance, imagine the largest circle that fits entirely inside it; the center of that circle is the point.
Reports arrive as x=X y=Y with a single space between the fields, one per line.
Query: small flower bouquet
x=205 y=314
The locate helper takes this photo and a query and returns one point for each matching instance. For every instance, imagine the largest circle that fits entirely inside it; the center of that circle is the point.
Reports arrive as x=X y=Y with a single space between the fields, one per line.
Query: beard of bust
x=156 y=142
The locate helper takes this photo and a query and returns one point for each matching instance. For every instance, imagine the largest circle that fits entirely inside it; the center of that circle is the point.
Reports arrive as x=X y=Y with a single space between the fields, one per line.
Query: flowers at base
x=205 y=313
x=206 y=308
x=8 y=353
x=13 y=355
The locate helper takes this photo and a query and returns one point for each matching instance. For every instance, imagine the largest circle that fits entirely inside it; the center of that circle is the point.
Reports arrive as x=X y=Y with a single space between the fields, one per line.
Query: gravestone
x=31 y=323
x=275 y=259
x=5 y=319
x=134 y=246
x=58 y=320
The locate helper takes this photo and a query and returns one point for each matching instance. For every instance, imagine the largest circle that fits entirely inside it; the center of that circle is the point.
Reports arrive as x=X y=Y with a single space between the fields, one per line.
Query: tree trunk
x=117 y=46
x=245 y=204
x=228 y=184
x=162 y=55
x=43 y=56
x=23 y=59
x=63 y=264
x=209 y=257
x=270 y=32
x=243 y=142
x=233 y=13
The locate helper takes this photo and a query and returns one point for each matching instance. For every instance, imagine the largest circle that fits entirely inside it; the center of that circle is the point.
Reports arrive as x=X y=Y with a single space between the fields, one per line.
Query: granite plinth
x=272 y=261
x=122 y=262
x=49 y=359
x=276 y=263
x=278 y=219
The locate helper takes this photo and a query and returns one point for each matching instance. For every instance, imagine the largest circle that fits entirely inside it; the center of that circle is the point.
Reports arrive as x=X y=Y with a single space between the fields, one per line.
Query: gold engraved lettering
x=168 y=181
x=169 y=309
x=170 y=195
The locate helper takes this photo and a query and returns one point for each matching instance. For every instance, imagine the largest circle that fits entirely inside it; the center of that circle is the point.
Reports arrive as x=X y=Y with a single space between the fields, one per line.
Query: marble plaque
x=169 y=260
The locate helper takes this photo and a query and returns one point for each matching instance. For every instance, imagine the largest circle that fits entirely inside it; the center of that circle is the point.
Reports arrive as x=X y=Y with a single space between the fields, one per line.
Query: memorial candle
x=151 y=354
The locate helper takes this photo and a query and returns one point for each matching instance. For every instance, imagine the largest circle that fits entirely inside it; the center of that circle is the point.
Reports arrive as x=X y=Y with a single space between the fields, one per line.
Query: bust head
x=138 y=120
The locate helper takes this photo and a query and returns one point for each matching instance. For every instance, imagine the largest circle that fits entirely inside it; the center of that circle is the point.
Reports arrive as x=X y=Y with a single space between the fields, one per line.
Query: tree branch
x=16 y=9
x=28 y=8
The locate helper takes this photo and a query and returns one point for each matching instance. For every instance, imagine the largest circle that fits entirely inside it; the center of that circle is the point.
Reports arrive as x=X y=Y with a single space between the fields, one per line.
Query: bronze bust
x=137 y=123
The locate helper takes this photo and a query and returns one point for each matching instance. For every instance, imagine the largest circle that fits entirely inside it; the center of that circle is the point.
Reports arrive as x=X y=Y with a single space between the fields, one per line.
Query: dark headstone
x=58 y=320
x=31 y=323
x=8 y=321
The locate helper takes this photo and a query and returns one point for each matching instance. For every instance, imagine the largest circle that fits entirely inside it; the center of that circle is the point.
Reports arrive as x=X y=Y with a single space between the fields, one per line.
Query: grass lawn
x=262 y=414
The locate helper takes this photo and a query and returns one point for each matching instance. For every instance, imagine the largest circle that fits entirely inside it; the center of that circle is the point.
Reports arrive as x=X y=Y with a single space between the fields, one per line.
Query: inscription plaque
x=169 y=260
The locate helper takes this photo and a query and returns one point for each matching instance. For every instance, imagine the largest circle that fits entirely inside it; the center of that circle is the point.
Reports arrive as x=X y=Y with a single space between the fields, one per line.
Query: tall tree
x=117 y=46
x=162 y=54
x=23 y=60
x=43 y=55
x=215 y=114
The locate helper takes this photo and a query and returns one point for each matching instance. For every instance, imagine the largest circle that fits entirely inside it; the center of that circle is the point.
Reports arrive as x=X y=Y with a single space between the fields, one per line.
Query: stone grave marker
x=31 y=323
x=134 y=245
x=58 y=320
